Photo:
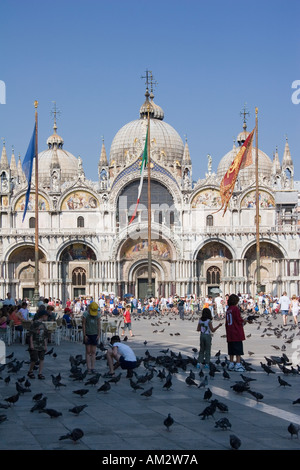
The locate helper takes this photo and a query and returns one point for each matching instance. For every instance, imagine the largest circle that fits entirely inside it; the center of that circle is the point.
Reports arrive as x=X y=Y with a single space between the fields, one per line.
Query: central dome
x=166 y=146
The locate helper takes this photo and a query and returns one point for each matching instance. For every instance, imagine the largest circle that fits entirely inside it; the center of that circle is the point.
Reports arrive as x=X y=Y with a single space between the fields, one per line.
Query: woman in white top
x=294 y=308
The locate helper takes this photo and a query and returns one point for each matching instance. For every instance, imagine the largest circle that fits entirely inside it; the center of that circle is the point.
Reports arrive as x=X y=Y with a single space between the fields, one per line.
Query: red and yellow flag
x=242 y=160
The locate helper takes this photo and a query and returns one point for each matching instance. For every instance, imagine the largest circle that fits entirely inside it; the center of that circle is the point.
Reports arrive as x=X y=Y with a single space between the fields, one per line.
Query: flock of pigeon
x=163 y=371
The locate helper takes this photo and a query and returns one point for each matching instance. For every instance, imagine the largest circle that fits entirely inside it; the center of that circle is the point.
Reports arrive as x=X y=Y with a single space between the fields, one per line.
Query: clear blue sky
x=208 y=57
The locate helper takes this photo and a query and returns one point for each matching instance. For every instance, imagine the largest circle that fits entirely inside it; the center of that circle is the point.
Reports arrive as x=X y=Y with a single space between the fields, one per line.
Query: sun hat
x=93 y=309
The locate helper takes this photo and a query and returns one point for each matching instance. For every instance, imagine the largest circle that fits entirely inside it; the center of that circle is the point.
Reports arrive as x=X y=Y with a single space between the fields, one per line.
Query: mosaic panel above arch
x=266 y=200
x=77 y=200
x=43 y=203
x=207 y=198
x=134 y=249
x=214 y=250
x=77 y=251
x=267 y=251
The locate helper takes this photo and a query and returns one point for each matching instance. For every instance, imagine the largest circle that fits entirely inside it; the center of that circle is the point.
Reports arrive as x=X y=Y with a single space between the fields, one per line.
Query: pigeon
x=267 y=369
x=7 y=380
x=296 y=401
x=221 y=406
x=81 y=392
x=93 y=380
x=247 y=379
x=13 y=399
x=3 y=418
x=207 y=394
x=105 y=387
x=4 y=406
x=115 y=379
x=21 y=389
x=168 y=422
x=223 y=423
x=37 y=396
x=189 y=381
x=283 y=382
x=74 y=435
x=56 y=381
x=40 y=405
x=257 y=395
x=49 y=352
x=135 y=386
x=204 y=383
x=77 y=409
x=235 y=442
x=168 y=384
x=27 y=383
x=50 y=412
x=293 y=429
x=240 y=387
x=208 y=411
x=225 y=374
x=147 y=393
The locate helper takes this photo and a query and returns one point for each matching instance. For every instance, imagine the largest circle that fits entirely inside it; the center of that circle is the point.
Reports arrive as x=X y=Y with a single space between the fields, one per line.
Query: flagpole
x=258 y=281
x=149 y=288
x=36 y=248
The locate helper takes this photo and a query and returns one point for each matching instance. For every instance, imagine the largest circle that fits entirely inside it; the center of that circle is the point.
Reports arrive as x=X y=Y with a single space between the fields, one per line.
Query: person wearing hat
x=67 y=316
x=38 y=340
x=91 y=329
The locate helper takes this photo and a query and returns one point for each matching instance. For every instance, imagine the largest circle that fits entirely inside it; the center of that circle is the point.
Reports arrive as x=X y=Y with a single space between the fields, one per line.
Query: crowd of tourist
x=110 y=305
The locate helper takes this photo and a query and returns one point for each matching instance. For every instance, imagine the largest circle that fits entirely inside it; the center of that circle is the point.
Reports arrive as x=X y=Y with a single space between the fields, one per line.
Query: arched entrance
x=75 y=267
x=21 y=267
x=134 y=265
x=210 y=266
x=271 y=267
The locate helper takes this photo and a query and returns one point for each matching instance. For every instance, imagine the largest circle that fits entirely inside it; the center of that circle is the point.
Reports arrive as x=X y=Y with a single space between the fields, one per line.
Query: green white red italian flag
x=143 y=166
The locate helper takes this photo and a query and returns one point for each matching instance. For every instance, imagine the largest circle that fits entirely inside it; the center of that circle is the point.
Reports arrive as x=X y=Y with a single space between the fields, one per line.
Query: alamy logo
x=296 y=94
x=2 y=92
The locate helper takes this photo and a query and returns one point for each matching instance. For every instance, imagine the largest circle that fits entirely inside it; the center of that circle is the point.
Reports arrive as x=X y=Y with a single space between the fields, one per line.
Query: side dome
x=56 y=156
x=246 y=175
x=166 y=145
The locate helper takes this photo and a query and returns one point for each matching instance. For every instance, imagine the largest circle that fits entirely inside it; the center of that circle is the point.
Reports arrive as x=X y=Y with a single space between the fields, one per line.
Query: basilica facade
x=88 y=246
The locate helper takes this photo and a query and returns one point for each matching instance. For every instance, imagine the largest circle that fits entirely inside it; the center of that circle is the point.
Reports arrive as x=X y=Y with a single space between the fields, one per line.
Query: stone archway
x=21 y=266
x=270 y=265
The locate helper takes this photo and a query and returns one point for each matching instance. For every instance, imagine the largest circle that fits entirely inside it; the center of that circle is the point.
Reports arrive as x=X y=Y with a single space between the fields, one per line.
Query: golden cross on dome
x=245 y=113
x=54 y=113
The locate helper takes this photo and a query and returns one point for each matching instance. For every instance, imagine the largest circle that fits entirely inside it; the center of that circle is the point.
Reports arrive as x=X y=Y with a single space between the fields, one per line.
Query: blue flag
x=27 y=168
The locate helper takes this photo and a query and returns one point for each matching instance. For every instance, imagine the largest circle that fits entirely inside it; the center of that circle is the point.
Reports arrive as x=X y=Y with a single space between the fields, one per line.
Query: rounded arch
x=267 y=247
x=22 y=252
x=206 y=198
x=78 y=199
x=220 y=249
x=134 y=267
x=19 y=202
x=135 y=234
x=133 y=250
x=76 y=250
x=248 y=199
x=134 y=177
